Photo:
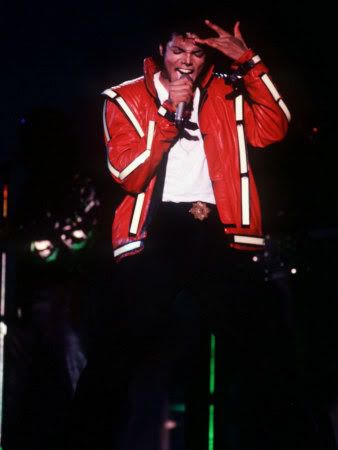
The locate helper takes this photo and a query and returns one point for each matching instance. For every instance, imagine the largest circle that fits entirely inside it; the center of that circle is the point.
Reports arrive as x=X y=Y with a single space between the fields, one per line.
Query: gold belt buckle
x=200 y=210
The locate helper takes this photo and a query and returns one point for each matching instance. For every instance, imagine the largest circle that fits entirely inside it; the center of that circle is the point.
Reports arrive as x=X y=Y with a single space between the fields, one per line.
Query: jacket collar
x=150 y=68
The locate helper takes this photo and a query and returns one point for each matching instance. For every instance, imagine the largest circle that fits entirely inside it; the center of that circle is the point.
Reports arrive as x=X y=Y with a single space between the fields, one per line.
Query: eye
x=177 y=51
x=199 y=53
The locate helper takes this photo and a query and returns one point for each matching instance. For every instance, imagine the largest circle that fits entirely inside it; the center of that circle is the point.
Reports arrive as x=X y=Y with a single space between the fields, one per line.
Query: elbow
x=132 y=183
x=276 y=133
x=280 y=133
x=129 y=185
x=132 y=186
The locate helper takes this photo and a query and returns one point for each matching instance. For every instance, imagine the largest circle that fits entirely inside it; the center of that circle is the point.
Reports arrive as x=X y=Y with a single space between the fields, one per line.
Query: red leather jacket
x=241 y=107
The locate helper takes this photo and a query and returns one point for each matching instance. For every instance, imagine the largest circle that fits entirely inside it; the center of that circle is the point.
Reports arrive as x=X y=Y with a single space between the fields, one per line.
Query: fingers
x=197 y=40
x=216 y=28
x=222 y=34
x=211 y=42
x=237 y=32
x=181 y=90
x=231 y=45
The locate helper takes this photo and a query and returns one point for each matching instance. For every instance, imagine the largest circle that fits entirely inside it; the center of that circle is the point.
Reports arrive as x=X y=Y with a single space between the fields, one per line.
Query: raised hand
x=231 y=45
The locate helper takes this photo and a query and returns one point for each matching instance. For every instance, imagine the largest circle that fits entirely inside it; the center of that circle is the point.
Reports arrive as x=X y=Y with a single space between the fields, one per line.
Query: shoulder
x=128 y=88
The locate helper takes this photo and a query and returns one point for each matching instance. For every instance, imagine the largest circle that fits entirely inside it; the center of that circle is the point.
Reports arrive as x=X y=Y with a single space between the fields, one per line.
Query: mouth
x=185 y=71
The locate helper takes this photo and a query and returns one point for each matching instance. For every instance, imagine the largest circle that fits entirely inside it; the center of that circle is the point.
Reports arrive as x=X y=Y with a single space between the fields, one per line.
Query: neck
x=164 y=79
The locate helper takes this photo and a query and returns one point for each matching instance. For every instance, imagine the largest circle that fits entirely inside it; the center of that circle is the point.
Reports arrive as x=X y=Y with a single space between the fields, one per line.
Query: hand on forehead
x=186 y=40
x=231 y=45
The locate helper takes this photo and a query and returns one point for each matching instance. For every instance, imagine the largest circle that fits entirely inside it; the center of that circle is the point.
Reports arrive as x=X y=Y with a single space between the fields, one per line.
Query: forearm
x=133 y=159
x=266 y=116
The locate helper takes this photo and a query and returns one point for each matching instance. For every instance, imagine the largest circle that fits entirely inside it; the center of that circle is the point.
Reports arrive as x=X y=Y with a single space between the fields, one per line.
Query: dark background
x=57 y=57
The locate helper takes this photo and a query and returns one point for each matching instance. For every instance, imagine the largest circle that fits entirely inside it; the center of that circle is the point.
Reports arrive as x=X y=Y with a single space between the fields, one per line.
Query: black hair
x=180 y=27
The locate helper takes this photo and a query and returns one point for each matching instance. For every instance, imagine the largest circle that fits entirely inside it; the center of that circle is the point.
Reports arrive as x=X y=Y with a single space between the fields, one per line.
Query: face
x=182 y=57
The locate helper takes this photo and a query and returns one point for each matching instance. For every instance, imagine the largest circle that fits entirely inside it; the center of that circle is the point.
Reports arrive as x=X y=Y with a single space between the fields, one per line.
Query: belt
x=200 y=210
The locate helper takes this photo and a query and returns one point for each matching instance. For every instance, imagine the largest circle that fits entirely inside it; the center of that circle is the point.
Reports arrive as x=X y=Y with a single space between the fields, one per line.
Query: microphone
x=180 y=107
x=179 y=113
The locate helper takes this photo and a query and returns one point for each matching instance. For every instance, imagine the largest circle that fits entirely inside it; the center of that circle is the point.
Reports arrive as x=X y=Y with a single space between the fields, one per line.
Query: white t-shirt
x=187 y=175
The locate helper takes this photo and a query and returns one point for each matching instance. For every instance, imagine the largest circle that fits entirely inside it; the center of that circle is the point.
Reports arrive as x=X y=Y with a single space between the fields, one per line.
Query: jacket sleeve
x=266 y=117
x=133 y=154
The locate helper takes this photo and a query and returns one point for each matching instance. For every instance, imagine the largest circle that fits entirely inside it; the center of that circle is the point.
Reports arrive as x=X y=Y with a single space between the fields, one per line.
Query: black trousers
x=154 y=336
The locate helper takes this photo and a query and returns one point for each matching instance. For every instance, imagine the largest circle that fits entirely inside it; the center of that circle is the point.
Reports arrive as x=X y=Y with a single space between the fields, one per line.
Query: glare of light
x=45 y=253
x=212 y=364
x=42 y=245
x=3 y=283
x=178 y=407
x=79 y=234
x=5 y=201
x=212 y=391
x=211 y=427
x=52 y=257
x=89 y=206
x=293 y=270
x=255 y=258
x=170 y=424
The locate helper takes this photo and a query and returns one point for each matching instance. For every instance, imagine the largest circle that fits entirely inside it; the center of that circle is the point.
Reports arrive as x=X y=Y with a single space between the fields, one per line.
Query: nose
x=187 y=59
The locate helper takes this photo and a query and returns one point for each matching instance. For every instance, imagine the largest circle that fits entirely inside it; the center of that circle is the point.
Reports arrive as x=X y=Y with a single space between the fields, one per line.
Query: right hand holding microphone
x=181 y=92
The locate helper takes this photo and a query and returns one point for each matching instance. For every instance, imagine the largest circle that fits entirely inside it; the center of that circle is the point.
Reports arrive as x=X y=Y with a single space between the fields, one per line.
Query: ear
x=160 y=48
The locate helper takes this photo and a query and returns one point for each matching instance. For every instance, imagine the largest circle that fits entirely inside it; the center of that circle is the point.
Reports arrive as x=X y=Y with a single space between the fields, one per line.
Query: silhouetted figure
x=54 y=218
